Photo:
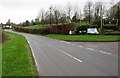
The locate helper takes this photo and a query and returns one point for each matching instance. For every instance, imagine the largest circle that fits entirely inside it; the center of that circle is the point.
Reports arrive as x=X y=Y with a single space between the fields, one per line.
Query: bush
x=111 y=27
x=43 y=31
x=80 y=28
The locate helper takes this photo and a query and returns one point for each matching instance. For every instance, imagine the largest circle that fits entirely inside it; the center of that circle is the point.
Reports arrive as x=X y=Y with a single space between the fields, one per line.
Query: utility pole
x=101 y=28
x=50 y=15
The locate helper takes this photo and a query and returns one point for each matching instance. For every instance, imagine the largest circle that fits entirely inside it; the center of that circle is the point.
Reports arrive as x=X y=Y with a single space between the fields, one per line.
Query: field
x=84 y=37
x=83 y=24
x=41 y=26
x=37 y=26
x=16 y=57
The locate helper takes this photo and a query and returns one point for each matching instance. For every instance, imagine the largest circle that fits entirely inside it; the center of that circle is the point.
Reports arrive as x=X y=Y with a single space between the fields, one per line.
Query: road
x=111 y=47
x=61 y=58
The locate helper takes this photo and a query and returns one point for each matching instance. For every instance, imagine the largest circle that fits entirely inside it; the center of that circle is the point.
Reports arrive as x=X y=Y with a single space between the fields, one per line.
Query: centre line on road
x=68 y=42
x=73 y=44
x=90 y=48
x=71 y=56
x=66 y=53
x=80 y=46
x=62 y=41
x=105 y=52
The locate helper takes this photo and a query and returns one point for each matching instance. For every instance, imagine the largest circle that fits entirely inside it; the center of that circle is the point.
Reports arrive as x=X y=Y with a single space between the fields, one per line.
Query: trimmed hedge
x=43 y=31
x=62 y=29
x=111 y=27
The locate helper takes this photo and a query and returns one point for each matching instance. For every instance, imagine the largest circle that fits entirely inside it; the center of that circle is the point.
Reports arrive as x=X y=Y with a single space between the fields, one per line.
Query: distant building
x=36 y=21
x=7 y=25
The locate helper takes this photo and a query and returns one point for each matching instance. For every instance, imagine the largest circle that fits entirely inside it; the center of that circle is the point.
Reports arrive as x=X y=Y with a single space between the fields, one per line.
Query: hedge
x=62 y=29
x=111 y=27
x=43 y=31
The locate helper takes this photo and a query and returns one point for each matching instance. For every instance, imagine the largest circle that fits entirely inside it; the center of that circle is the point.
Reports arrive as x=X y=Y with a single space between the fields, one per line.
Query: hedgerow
x=43 y=31
x=62 y=29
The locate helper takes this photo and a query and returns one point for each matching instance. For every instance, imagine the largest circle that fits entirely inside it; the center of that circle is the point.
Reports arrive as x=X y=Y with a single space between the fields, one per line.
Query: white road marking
x=33 y=54
x=68 y=42
x=105 y=52
x=90 y=48
x=80 y=46
x=62 y=41
x=71 y=56
x=66 y=53
x=73 y=44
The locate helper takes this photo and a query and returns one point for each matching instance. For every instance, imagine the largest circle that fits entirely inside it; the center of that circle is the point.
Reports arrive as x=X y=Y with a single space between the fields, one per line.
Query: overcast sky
x=21 y=10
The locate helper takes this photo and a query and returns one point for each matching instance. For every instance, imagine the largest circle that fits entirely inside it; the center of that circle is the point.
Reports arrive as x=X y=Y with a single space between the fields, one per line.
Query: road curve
x=61 y=58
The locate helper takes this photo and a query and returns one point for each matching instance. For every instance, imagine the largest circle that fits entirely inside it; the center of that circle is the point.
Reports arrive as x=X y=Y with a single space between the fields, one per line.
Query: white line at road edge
x=33 y=55
x=71 y=56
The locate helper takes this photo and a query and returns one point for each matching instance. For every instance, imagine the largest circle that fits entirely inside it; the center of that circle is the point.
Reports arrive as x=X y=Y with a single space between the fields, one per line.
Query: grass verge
x=0 y=60
x=84 y=37
x=16 y=57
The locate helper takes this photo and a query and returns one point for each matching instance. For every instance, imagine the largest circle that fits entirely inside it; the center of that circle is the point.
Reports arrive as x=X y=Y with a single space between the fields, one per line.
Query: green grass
x=0 y=52
x=48 y=25
x=16 y=57
x=0 y=60
x=42 y=26
x=37 y=26
x=83 y=24
x=84 y=37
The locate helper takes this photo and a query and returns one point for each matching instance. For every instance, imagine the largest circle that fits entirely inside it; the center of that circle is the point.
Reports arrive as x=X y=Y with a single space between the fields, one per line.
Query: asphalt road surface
x=61 y=58
x=111 y=47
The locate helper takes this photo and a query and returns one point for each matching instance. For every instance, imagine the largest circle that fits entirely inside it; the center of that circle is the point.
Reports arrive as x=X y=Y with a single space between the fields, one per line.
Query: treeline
x=92 y=12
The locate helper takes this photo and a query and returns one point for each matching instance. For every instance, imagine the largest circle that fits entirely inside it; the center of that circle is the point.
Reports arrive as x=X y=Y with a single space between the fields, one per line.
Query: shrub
x=80 y=28
x=111 y=27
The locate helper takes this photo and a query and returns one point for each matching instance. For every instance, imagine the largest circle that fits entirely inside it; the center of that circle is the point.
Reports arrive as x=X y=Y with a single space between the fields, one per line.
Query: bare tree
x=51 y=14
x=56 y=15
x=88 y=10
x=63 y=18
x=80 y=16
x=102 y=9
x=77 y=14
x=97 y=9
x=47 y=17
x=41 y=15
x=69 y=11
